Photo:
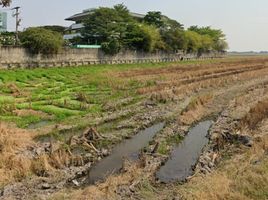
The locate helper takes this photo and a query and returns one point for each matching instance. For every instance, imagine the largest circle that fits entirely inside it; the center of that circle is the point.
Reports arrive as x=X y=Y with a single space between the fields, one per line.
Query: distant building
x=75 y=29
x=3 y=21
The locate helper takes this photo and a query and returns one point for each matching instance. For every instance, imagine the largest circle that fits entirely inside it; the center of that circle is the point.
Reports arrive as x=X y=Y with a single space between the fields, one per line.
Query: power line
x=18 y=20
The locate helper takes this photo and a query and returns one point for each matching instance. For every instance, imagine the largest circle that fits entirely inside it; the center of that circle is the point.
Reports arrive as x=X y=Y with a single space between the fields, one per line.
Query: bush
x=40 y=40
x=7 y=38
x=111 y=47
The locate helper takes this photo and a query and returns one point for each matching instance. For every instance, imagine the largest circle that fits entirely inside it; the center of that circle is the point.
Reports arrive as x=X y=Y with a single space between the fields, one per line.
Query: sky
x=245 y=22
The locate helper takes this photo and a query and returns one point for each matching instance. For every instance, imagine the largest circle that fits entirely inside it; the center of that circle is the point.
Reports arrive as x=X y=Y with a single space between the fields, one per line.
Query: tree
x=216 y=35
x=221 y=46
x=143 y=37
x=101 y=25
x=40 y=40
x=111 y=47
x=154 y=18
x=171 y=24
x=115 y=29
x=55 y=28
x=151 y=38
x=5 y=3
x=206 y=44
x=193 y=41
x=174 y=39
x=7 y=38
x=172 y=33
x=123 y=12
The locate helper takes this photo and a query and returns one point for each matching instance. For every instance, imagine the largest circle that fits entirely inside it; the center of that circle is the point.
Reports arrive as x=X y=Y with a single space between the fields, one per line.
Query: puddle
x=127 y=149
x=38 y=124
x=185 y=155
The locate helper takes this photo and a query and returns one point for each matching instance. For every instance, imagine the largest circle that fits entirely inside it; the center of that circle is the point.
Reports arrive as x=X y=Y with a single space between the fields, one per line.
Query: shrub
x=111 y=47
x=40 y=40
x=7 y=38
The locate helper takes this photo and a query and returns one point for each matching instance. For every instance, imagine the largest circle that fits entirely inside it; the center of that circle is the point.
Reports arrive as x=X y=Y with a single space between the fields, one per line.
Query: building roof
x=85 y=13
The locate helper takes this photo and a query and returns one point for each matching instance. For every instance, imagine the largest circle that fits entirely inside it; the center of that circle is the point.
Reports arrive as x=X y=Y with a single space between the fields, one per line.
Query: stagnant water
x=185 y=155
x=128 y=149
x=38 y=124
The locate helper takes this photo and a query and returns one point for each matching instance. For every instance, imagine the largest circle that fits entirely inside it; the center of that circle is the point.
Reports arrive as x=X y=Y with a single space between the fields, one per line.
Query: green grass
x=22 y=122
x=164 y=147
x=56 y=91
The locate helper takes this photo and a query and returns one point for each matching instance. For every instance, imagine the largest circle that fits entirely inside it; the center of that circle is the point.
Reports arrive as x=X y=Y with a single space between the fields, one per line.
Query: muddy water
x=38 y=124
x=185 y=155
x=128 y=149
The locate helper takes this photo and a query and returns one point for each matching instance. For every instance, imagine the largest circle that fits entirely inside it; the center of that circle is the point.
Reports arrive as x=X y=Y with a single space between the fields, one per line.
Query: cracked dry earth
x=233 y=92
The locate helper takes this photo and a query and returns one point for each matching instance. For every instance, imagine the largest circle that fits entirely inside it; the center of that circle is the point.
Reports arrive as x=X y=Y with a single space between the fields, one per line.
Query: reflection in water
x=185 y=156
x=127 y=149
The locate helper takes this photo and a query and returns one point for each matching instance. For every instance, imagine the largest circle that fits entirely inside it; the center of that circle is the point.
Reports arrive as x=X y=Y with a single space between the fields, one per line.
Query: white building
x=3 y=21
x=75 y=29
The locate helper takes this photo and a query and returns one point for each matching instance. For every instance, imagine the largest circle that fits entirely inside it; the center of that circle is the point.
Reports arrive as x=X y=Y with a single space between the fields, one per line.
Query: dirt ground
x=50 y=161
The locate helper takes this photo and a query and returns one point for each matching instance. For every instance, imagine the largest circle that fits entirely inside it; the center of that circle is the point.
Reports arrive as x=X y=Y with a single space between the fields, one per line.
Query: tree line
x=115 y=29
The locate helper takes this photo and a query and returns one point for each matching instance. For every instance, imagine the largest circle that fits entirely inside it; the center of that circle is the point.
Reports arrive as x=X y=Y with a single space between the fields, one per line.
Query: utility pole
x=18 y=20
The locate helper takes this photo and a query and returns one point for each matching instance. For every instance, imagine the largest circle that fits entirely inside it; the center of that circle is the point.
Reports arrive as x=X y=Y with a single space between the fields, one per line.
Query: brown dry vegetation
x=14 y=164
x=17 y=160
x=244 y=176
x=108 y=190
x=187 y=93
x=195 y=110
x=256 y=115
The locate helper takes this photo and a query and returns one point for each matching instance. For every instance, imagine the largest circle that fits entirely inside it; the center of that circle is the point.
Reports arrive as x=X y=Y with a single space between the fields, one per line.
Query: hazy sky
x=245 y=22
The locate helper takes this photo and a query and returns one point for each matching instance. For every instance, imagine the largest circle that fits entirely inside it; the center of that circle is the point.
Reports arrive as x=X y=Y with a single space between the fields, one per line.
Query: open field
x=48 y=115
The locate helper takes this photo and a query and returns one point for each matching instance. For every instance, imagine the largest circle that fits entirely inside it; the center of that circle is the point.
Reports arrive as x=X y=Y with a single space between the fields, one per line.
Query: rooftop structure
x=75 y=29
x=3 y=21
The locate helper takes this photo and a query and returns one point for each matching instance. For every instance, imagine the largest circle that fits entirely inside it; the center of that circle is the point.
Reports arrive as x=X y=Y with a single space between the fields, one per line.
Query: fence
x=16 y=57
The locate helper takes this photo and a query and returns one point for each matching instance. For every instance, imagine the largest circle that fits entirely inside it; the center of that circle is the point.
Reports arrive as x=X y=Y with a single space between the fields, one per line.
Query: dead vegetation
x=165 y=88
x=256 y=115
x=112 y=189
x=195 y=109
x=243 y=176
x=14 y=163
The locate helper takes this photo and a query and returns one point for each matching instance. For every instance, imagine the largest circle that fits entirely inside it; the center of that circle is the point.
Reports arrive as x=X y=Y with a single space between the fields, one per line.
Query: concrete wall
x=16 y=57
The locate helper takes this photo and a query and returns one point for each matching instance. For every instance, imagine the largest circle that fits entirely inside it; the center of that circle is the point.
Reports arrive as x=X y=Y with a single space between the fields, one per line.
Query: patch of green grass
x=163 y=148
x=174 y=139
x=6 y=99
x=59 y=113
x=54 y=90
x=21 y=122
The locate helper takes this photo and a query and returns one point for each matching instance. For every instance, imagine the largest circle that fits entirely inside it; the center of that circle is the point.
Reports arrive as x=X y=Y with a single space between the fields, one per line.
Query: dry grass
x=17 y=162
x=29 y=112
x=242 y=177
x=196 y=109
x=107 y=190
x=256 y=115
x=14 y=165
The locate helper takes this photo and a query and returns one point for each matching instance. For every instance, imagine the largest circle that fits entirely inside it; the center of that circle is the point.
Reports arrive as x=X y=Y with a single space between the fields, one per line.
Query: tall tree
x=172 y=33
x=123 y=12
x=193 y=41
x=217 y=36
x=143 y=37
x=154 y=18
x=171 y=24
x=102 y=24
x=5 y=3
